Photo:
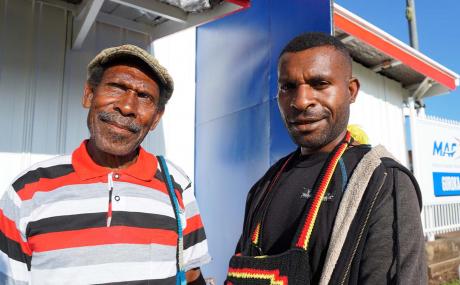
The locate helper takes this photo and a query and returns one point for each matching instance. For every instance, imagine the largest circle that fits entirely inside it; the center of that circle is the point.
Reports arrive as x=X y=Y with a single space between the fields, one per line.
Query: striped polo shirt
x=55 y=228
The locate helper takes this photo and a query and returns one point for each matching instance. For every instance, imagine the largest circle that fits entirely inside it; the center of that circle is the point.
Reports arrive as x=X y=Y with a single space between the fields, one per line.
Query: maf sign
x=438 y=159
x=445 y=148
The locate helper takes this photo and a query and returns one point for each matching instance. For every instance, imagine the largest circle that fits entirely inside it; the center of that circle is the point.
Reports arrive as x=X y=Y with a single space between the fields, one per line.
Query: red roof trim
x=394 y=51
x=242 y=3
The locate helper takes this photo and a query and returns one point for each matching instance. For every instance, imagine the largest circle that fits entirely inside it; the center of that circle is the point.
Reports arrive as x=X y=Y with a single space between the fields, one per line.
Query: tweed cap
x=105 y=56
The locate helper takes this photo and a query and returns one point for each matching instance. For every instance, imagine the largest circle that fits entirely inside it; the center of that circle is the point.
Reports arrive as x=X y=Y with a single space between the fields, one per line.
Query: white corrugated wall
x=379 y=110
x=41 y=83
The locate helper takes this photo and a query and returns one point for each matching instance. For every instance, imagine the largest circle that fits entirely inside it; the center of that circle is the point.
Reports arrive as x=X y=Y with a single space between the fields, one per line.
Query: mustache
x=309 y=115
x=119 y=120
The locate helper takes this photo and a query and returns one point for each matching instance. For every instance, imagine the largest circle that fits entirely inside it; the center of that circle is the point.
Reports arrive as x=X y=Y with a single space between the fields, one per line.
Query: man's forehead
x=310 y=54
x=318 y=58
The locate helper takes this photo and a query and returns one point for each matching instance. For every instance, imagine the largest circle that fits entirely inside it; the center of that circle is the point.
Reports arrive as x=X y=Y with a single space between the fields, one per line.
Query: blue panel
x=230 y=160
x=239 y=133
x=230 y=52
x=446 y=184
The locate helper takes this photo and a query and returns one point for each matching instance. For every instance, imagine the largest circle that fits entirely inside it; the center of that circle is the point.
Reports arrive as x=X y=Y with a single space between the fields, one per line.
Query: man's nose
x=304 y=98
x=127 y=103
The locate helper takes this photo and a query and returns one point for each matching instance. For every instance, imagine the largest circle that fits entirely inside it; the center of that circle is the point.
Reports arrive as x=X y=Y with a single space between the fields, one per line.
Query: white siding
x=379 y=110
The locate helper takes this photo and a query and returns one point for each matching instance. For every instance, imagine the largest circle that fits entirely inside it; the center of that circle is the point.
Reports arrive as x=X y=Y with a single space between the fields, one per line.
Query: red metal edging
x=372 y=39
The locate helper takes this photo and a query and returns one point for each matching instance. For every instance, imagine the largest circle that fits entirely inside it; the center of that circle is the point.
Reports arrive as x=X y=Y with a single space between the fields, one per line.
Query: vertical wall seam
x=2 y=33
x=63 y=98
x=37 y=51
x=31 y=78
x=270 y=52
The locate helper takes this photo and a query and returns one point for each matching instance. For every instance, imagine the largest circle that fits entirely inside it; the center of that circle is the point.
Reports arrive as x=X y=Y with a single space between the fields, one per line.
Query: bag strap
x=304 y=233
x=180 y=280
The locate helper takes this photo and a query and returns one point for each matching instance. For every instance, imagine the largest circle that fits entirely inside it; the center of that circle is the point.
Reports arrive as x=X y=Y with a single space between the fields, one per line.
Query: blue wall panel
x=239 y=133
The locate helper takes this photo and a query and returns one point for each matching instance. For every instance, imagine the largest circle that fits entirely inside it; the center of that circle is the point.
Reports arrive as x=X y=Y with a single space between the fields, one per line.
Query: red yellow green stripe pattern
x=304 y=238
x=255 y=235
x=273 y=276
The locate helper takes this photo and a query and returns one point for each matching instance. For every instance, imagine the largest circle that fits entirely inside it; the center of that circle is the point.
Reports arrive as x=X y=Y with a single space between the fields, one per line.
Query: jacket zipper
x=362 y=230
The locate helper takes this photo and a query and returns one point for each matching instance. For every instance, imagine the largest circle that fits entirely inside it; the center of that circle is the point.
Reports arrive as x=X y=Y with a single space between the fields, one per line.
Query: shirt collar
x=144 y=168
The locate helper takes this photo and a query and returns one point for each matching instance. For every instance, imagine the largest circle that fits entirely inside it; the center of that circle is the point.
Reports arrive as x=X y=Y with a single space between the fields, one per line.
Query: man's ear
x=157 y=119
x=88 y=95
x=353 y=88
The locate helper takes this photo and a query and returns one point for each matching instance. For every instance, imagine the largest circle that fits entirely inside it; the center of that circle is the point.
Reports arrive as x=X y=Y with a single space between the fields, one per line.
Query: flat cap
x=107 y=55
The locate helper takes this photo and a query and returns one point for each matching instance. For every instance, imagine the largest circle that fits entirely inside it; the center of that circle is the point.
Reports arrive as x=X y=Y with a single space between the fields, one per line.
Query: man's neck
x=109 y=160
x=326 y=148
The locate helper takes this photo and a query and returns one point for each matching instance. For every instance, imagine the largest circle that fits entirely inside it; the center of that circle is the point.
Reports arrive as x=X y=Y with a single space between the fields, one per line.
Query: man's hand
x=194 y=277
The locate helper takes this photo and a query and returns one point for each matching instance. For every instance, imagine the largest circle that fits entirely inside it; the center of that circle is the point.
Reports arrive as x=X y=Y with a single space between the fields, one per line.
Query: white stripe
x=179 y=175
x=105 y=273
x=14 y=269
x=188 y=196
x=142 y=205
x=70 y=207
x=197 y=252
x=13 y=196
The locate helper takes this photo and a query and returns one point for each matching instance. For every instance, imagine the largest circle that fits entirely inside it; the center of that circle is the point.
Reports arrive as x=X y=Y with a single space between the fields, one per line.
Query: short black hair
x=315 y=39
x=95 y=77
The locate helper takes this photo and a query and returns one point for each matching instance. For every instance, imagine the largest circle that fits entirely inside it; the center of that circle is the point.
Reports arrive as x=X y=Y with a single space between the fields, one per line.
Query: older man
x=111 y=212
x=334 y=211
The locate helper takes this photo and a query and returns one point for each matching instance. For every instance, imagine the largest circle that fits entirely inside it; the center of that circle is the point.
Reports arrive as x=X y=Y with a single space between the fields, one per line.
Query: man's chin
x=310 y=141
x=117 y=147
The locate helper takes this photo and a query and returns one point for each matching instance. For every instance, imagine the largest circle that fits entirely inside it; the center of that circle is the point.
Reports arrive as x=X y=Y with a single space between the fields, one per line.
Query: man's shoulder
x=55 y=164
x=178 y=174
x=395 y=174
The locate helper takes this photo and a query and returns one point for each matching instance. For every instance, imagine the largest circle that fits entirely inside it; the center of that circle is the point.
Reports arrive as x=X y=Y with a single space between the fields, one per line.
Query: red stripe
x=194 y=223
x=47 y=184
x=394 y=51
x=100 y=236
x=50 y=184
x=9 y=229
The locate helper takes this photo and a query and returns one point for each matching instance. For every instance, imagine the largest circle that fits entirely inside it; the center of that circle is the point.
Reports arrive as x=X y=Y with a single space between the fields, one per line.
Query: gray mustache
x=119 y=120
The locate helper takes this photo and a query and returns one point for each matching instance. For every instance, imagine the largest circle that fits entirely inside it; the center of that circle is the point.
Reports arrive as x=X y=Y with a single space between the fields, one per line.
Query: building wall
x=239 y=132
x=379 y=111
x=42 y=78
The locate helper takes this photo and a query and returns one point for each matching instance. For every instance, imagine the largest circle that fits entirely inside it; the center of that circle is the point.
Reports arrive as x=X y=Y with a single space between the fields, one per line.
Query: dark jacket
x=377 y=236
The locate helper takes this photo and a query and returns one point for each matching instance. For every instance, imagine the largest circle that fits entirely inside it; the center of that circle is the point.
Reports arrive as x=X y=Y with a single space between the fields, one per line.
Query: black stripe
x=194 y=237
x=97 y=220
x=47 y=172
x=144 y=220
x=13 y=250
x=166 y=281
x=159 y=176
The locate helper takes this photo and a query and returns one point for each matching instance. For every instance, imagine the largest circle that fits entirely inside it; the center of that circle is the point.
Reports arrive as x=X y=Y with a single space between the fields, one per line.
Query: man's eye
x=320 y=84
x=116 y=86
x=287 y=86
x=146 y=98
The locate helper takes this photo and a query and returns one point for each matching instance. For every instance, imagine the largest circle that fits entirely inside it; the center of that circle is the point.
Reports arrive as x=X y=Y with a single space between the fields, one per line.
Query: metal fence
x=441 y=218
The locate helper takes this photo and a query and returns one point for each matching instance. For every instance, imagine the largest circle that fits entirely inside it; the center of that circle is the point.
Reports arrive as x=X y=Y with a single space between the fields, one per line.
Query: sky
x=438 y=24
